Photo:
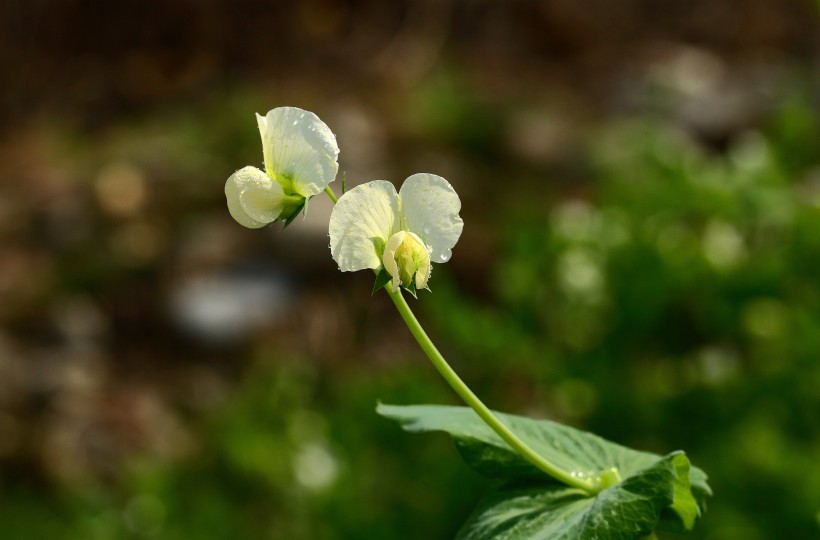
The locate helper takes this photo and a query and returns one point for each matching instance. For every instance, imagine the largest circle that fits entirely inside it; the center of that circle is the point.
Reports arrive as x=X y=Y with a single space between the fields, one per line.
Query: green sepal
x=382 y=279
x=344 y=182
x=415 y=291
x=288 y=220
x=411 y=288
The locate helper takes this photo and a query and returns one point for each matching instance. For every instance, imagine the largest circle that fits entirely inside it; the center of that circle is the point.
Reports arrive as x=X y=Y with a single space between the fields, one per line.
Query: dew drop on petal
x=445 y=256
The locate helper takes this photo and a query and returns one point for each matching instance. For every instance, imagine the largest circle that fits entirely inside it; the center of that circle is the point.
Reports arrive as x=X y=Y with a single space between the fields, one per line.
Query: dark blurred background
x=641 y=194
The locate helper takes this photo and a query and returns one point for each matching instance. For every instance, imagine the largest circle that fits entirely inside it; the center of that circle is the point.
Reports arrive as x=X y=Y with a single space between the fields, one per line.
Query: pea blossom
x=373 y=227
x=300 y=154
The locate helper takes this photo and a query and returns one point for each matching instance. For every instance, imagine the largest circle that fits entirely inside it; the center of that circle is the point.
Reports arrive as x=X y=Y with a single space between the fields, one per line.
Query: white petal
x=235 y=208
x=254 y=200
x=423 y=272
x=361 y=222
x=430 y=207
x=300 y=150
x=389 y=258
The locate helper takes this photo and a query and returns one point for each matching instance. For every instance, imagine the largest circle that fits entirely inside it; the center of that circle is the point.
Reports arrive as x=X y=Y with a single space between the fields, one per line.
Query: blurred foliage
x=276 y=461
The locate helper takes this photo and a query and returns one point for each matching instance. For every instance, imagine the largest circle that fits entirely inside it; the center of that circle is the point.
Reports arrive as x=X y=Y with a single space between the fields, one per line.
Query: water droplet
x=445 y=256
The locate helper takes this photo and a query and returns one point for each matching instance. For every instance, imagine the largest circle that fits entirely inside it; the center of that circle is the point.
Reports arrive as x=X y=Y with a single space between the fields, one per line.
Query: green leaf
x=548 y=510
x=655 y=491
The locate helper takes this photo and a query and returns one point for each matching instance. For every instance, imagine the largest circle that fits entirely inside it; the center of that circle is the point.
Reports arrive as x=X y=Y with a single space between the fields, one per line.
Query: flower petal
x=361 y=223
x=254 y=200
x=389 y=258
x=430 y=207
x=300 y=150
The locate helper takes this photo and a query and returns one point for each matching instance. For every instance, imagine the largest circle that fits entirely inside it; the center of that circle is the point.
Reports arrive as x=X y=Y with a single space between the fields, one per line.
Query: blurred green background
x=641 y=258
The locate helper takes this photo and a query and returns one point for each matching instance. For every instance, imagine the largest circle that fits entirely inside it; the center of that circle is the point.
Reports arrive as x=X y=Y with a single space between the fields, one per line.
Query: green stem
x=477 y=405
x=331 y=194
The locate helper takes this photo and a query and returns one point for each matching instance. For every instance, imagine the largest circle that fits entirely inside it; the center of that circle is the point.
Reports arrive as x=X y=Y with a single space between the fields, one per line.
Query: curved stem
x=331 y=194
x=476 y=404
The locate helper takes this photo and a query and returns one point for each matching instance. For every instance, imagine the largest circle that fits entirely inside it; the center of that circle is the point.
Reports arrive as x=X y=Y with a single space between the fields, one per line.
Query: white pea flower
x=300 y=155
x=373 y=227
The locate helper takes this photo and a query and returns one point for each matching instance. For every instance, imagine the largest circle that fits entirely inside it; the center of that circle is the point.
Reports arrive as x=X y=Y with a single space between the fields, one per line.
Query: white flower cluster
x=300 y=155
x=372 y=226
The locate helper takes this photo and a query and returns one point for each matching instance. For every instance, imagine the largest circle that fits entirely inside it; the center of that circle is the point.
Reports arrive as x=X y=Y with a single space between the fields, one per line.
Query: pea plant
x=548 y=480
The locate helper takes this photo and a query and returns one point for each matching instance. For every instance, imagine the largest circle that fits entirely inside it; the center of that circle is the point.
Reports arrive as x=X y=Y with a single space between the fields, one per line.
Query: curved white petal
x=254 y=200
x=389 y=258
x=423 y=271
x=361 y=223
x=235 y=207
x=300 y=150
x=430 y=207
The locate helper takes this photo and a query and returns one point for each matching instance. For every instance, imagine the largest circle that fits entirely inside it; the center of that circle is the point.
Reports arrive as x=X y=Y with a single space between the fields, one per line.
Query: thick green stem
x=452 y=378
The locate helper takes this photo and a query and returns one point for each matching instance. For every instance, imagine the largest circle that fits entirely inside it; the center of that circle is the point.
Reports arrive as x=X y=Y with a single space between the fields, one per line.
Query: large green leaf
x=655 y=491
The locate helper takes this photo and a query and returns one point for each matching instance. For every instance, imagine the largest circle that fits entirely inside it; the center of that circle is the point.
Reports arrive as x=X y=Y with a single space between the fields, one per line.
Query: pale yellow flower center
x=407 y=260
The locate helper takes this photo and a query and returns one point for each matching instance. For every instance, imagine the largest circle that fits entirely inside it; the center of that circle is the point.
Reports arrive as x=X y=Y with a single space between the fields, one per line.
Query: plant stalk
x=331 y=194
x=464 y=392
